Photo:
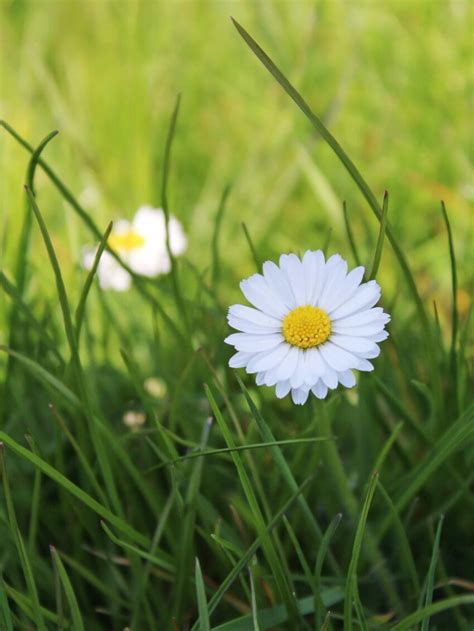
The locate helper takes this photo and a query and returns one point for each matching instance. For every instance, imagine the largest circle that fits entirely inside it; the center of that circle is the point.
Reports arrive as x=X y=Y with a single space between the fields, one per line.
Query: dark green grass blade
x=20 y=547
x=346 y=161
x=268 y=545
x=74 y=490
x=76 y=618
x=320 y=558
x=201 y=599
x=271 y=618
x=163 y=562
x=405 y=554
x=228 y=450
x=430 y=578
x=381 y=237
x=454 y=312
x=81 y=307
x=24 y=605
x=408 y=623
x=5 y=613
x=352 y=590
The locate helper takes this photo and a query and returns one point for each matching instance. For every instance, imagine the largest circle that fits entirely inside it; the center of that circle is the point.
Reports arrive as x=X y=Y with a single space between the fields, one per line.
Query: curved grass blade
x=6 y=616
x=322 y=552
x=88 y=284
x=352 y=590
x=350 y=234
x=348 y=164
x=408 y=623
x=215 y=237
x=76 y=618
x=430 y=578
x=380 y=240
x=204 y=622
x=253 y=251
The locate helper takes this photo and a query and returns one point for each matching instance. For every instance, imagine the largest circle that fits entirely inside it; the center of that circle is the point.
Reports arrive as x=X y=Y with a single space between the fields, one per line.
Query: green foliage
x=228 y=509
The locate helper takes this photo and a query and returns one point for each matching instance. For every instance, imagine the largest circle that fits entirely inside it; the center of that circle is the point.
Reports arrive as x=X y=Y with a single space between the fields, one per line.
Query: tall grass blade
x=380 y=239
x=430 y=578
x=204 y=621
x=76 y=618
x=352 y=590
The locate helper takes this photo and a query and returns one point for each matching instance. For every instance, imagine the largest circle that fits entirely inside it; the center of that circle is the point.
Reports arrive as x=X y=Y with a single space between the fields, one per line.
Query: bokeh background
x=391 y=79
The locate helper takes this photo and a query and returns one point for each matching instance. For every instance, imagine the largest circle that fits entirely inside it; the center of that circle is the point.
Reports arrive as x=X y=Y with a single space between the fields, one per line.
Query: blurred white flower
x=141 y=244
x=312 y=325
x=89 y=197
x=155 y=387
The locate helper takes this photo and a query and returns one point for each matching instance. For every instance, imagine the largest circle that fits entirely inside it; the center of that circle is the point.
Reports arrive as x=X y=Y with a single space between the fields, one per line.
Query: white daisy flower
x=141 y=244
x=311 y=325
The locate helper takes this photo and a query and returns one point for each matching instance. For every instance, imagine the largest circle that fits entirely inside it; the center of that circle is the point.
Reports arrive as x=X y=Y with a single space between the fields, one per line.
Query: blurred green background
x=391 y=79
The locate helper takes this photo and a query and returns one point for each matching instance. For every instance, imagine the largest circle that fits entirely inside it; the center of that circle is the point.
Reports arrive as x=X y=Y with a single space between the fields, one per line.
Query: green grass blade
x=380 y=239
x=408 y=623
x=204 y=621
x=81 y=307
x=352 y=591
x=253 y=601
x=6 y=616
x=76 y=618
x=21 y=549
x=454 y=308
x=252 y=249
x=74 y=490
x=430 y=578
x=318 y=568
x=164 y=563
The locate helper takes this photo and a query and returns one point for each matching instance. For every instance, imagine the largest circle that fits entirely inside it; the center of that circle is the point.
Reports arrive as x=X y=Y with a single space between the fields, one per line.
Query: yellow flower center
x=126 y=241
x=306 y=326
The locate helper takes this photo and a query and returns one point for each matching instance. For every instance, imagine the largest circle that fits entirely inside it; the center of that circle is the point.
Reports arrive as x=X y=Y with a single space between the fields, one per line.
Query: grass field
x=146 y=485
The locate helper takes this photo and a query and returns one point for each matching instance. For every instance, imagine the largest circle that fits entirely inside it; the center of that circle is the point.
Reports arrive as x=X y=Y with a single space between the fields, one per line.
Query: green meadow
x=145 y=485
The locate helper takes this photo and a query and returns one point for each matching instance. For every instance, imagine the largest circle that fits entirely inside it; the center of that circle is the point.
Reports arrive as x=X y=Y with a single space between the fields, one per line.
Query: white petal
x=254 y=343
x=278 y=283
x=288 y=365
x=364 y=365
x=336 y=357
x=347 y=378
x=267 y=359
x=379 y=337
x=346 y=289
x=240 y=360
x=249 y=327
x=299 y=395
x=318 y=279
x=316 y=362
x=358 y=331
x=366 y=296
x=256 y=290
x=363 y=317
x=371 y=354
x=319 y=390
x=282 y=388
x=254 y=315
x=331 y=292
x=271 y=376
x=352 y=344
x=260 y=378
x=293 y=269
x=330 y=378
x=297 y=378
